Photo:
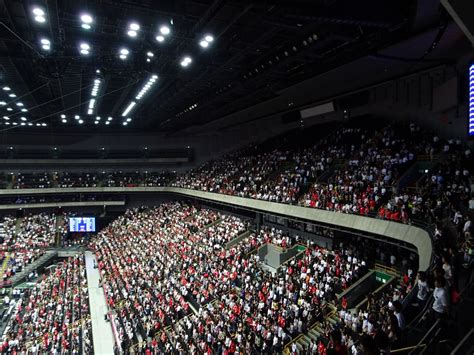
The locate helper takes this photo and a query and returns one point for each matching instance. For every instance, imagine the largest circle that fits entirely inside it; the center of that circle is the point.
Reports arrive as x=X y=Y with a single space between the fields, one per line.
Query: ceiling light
x=98 y=118
x=97 y=71
x=24 y=110
x=6 y=118
x=46 y=47
x=80 y=121
x=22 y=124
x=132 y=33
x=109 y=119
x=37 y=11
x=86 y=26
x=14 y=123
x=90 y=111
x=125 y=123
x=9 y=109
x=123 y=56
x=209 y=38
x=44 y=124
x=40 y=19
x=86 y=18
x=30 y=124
x=134 y=26
x=107 y=123
x=160 y=38
x=129 y=108
x=85 y=51
x=186 y=61
x=96 y=122
x=148 y=60
x=124 y=51
x=64 y=120
x=204 y=44
x=129 y=119
x=23 y=119
x=6 y=88
x=165 y=30
x=12 y=95
x=76 y=117
x=84 y=46
x=63 y=116
x=45 y=41
x=150 y=54
x=19 y=104
x=2 y=103
x=7 y=123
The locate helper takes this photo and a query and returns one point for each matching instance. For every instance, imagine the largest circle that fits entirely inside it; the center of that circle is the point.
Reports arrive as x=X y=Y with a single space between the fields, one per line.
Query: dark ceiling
x=258 y=49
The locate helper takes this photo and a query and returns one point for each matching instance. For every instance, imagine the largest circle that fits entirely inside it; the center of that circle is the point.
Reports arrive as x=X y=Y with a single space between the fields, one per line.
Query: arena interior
x=236 y=177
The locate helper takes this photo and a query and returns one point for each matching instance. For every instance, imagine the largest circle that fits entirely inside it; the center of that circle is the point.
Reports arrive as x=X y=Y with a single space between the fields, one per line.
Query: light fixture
x=98 y=118
x=96 y=122
x=124 y=51
x=44 y=124
x=129 y=119
x=125 y=123
x=22 y=124
x=6 y=88
x=129 y=108
x=80 y=121
x=2 y=103
x=109 y=119
x=23 y=119
x=12 y=95
x=206 y=41
x=20 y=104
x=30 y=124
x=37 y=11
x=45 y=44
x=107 y=123
x=63 y=116
x=24 y=110
x=160 y=38
x=134 y=26
x=9 y=109
x=39 y=14
x=84 y=48
x=86 y=26
x=64 y=120
x=6 y=118
x=165 y=30
x=132 y=33
x=150 y=82
x=86 y=18
x=186 y=61
x=76 y=117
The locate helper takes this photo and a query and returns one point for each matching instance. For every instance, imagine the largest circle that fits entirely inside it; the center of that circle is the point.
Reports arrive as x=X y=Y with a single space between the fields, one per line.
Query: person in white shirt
x=440 y=295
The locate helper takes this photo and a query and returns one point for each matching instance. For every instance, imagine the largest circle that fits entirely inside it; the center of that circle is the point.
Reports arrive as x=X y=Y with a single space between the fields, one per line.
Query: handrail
x=461 y=343
x=428 y=333
x=408 y=348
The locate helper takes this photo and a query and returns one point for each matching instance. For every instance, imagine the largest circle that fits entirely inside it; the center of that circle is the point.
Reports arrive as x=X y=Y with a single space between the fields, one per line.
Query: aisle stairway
x=49 y=255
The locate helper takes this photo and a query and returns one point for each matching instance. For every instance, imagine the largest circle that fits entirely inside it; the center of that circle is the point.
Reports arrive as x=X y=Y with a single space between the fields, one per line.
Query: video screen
x=81 y=224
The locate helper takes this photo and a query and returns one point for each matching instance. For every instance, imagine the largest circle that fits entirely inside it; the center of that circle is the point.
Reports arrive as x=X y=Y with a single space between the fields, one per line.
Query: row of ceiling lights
x=98 y=119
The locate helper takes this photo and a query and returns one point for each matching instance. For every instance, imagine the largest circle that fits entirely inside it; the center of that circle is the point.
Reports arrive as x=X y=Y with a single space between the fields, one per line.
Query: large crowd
x=53 y=317
x=25 y=240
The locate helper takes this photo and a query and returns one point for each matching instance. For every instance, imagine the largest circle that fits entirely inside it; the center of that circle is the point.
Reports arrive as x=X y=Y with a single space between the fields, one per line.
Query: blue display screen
x=81 y=224
x=471 y=101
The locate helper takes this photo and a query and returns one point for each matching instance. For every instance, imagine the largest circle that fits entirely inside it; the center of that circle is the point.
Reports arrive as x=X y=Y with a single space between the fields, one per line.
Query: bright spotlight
x=40 y=19
x=86 y=26
x=124 y=51
x=86 y=18
x=85 y=46
x=84 y=51
x=134 y=26
x=150 y=54
x=81 y=121
x=132 y=33
x=165 y=30
x=45 y=41
x=209 y=38
x=38 y=11
x=204 y=44
x=122 y=56
x=160 y=38
x=64 y=120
